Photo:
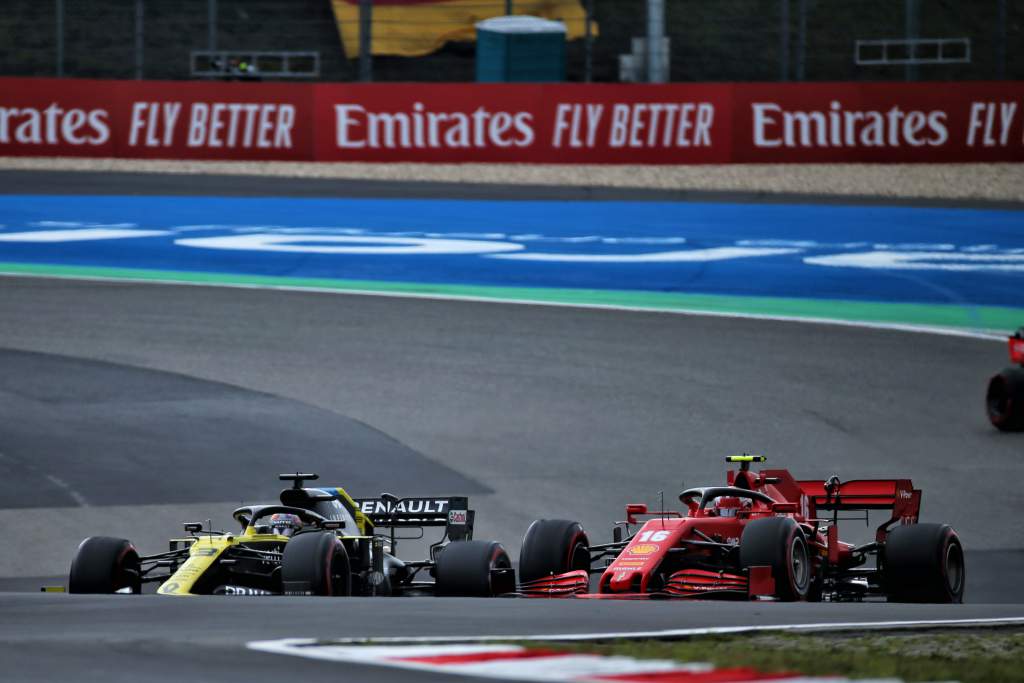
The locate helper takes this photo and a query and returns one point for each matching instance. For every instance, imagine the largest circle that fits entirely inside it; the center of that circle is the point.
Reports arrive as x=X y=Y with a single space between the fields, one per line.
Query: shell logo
x=643 y=549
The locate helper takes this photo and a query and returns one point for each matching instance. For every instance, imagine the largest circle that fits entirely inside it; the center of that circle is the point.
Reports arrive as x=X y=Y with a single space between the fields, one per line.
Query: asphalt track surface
x=130 y=407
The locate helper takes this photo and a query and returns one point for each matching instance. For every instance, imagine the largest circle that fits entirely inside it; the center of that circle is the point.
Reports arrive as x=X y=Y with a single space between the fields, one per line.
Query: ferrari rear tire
x=1004 y=400
x=474 y=569
x=105 y=565
x=553 y=546
x=318 y=562
x=924 y=563
x=778 y=542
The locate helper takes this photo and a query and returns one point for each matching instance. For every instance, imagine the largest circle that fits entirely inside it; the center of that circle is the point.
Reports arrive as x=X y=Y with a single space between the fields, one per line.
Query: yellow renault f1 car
x=317 y=541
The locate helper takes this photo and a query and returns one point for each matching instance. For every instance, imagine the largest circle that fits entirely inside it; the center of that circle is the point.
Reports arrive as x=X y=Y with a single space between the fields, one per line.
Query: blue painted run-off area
x=821 y=252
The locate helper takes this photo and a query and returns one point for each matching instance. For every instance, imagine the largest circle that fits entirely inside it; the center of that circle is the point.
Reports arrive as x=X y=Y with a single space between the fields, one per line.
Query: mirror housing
x=193 y=527
x=635 y=509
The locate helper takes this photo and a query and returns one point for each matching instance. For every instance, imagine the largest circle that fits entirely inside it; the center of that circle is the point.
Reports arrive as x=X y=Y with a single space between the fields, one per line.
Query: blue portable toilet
x=520 y=49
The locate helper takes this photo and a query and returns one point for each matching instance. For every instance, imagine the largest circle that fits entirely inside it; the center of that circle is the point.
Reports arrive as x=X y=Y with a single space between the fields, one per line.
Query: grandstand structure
x=711 y=40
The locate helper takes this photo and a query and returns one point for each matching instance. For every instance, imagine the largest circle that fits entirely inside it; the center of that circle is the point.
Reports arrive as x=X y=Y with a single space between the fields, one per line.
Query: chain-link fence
x=707 y=40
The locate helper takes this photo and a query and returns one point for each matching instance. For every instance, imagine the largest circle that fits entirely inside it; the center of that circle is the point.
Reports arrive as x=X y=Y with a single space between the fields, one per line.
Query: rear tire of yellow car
x=319 y=561
x=105 y=565
x=467 y=569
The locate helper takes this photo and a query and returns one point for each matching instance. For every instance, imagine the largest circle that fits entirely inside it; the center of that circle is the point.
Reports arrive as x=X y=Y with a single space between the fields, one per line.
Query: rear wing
x=451 y=512
x=898 y=495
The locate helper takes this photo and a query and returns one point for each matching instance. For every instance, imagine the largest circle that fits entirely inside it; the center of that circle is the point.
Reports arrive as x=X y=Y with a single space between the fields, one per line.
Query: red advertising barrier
x=539 y=123
x=155 y=119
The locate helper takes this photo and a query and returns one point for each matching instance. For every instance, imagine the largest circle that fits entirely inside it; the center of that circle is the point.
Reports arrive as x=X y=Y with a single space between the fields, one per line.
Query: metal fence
x=704 y=40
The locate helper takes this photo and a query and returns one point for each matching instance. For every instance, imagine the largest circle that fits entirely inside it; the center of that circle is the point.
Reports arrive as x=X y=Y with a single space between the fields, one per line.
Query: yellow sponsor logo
x=643 y=549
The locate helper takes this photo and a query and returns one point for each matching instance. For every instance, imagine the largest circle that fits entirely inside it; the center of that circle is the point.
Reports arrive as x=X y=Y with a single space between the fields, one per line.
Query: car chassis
x=698 y=554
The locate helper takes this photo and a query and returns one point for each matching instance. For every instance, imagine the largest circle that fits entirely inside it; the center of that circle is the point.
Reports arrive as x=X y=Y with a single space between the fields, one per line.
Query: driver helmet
x=726 y=506
x=284 y=524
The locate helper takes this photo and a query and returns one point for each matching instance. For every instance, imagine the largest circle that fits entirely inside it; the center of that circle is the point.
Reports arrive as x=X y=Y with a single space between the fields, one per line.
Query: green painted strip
x=937 y=315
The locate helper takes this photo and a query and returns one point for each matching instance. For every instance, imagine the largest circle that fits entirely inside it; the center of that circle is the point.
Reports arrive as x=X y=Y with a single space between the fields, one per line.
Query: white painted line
x=671 y=633
x=72 y=493
x=372 y=652
x=987 y=335
x=78 y=235
x=683 y=256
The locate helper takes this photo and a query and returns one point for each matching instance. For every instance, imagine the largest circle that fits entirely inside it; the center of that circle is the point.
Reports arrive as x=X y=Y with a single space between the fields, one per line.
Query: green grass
x=976 y=656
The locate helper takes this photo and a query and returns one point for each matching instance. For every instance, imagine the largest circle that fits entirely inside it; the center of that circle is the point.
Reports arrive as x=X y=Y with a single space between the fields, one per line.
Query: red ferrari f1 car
x=1004 y=400
x=764 y=535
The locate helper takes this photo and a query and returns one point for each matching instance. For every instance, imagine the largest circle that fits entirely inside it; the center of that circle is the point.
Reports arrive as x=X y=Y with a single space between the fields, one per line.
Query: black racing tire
x=778 y=542
x=553 y=546
x=464 y=568
x=317 y=560
x=1004 y=400
x=924 y=563
x=105 y=565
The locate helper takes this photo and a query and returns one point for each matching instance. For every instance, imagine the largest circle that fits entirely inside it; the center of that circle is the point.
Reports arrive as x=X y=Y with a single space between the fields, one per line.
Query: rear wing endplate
x=451 y=512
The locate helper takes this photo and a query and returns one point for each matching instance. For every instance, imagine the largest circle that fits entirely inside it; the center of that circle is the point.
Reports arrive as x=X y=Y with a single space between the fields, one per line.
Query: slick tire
x=105 y=565
x=318 y=563
x=1004 y=400
x=924 y=563
x=474 y=569
x=553 y=546
x=778 y=542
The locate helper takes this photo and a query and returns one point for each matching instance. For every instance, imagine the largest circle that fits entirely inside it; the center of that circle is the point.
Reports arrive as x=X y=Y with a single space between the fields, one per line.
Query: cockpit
x=324 y=503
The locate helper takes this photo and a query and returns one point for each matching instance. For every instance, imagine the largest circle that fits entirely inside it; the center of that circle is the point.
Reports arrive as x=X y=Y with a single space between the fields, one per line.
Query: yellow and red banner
x=413 y=28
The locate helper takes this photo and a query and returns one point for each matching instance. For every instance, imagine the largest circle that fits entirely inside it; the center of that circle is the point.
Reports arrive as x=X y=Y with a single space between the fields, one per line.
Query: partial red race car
x=763 y=535
x=1004 y=399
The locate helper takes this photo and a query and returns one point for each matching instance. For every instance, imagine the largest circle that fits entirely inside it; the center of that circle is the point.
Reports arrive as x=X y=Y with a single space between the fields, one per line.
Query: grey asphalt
x=127 y=638
x=564 y=412
x=87 y=432
x=559 y=412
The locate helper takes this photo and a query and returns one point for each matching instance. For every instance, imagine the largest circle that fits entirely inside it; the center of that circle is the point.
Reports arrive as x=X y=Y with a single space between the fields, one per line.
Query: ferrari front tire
x=553 y=546
x=1004 y=400
x=778 y=542
x=105 y=565
x=924 y=563
x=316 y=563
x=474 y=569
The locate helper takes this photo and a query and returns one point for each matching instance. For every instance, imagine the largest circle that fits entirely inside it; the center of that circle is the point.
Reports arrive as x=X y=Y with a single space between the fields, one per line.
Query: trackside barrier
x=563 y=123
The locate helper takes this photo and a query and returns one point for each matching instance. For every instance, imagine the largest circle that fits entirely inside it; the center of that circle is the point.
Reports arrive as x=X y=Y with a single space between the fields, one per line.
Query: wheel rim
x=336 y=574
x=499 y=560
x=799 y=562
x=954 y=568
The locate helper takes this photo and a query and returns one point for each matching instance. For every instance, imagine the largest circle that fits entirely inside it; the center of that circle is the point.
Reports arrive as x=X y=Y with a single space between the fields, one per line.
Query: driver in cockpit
x=728 y=506
x=284 y=524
